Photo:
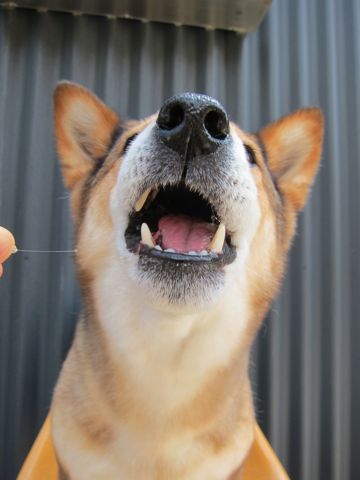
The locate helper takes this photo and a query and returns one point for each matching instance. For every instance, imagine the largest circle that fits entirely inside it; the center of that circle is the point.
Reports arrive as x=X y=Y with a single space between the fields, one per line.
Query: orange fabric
x=40 y=464
x=261 y=464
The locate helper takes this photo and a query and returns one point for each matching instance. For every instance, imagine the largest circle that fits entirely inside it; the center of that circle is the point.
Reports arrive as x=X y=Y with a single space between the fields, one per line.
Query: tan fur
x=100 y=410
x=94 y=125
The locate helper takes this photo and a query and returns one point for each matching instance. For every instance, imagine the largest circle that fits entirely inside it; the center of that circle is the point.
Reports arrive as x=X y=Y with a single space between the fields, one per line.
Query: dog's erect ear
x=84 y=128
x=293 y=146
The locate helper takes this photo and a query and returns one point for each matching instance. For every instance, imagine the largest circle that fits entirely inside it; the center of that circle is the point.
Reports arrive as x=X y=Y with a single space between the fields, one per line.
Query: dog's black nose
x=194 y=121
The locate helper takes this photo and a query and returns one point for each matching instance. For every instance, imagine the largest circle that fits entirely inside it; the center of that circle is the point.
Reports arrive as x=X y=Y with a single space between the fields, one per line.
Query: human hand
x=7 y=246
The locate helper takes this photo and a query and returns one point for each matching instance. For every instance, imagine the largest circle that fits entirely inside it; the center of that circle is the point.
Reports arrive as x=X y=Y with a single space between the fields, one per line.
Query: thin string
x=43 y=251
x=125 y=257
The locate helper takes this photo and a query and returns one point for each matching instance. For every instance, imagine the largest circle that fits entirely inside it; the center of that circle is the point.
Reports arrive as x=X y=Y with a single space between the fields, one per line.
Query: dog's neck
x=177 y=337
x=184 y=374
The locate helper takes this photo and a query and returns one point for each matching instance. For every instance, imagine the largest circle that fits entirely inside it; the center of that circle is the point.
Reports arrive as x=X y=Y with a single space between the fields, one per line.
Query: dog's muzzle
x=176 y=221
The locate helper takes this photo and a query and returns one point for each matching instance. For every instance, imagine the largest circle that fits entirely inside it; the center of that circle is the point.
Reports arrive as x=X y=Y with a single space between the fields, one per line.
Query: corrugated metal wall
x=306 y=362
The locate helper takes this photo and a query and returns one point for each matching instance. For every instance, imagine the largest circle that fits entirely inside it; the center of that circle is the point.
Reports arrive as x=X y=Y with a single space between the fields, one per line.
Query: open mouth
x=175 y=223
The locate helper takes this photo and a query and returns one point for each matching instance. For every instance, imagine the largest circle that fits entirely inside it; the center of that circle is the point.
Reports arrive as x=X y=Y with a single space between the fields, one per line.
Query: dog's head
x=184 y=204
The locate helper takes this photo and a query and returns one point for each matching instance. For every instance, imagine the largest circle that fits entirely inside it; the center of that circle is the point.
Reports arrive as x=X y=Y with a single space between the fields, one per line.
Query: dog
x=183 y=222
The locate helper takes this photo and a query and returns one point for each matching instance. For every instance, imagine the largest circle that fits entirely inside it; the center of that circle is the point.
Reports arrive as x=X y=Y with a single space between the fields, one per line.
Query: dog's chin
x=195 y=285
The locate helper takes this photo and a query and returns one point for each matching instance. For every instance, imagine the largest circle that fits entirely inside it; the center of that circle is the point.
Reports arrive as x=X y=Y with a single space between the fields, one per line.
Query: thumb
x=7 y=245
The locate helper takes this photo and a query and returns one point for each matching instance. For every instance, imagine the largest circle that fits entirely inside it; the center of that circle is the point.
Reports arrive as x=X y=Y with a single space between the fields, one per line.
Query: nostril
x=217 y=125
x=192 y=124
x=170 y=117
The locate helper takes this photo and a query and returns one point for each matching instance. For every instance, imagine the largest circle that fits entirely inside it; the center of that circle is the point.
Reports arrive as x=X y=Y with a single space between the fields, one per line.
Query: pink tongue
x=184 y=234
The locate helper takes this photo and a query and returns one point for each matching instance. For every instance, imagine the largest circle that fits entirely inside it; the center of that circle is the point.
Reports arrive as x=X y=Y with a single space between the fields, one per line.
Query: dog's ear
x=293 y=146
x=84 y=128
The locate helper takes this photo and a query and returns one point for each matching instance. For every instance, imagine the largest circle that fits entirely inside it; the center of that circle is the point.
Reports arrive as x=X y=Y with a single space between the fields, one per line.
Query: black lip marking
x=178 y=257
x=227 y=256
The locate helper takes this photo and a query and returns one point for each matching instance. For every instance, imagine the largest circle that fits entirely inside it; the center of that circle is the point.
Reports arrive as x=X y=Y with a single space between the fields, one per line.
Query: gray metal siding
x=237 y=15
x=307 y=357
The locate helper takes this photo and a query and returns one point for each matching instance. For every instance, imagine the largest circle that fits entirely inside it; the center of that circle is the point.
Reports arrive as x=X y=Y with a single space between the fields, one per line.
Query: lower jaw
x=179 y=282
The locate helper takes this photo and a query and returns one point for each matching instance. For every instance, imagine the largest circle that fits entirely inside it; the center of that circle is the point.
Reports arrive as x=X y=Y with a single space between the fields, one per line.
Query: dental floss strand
x=42 y=251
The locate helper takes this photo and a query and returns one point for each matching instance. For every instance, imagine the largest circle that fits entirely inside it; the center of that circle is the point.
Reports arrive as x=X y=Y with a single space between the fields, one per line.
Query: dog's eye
x=129 y=142
x=250 y=155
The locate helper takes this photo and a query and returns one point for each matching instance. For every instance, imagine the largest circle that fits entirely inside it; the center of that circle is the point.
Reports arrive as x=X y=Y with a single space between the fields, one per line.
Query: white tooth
x=192 y=252
x=204 y=252
x=141 y=202
x=170 y=250
x=157 y=247
x=217 y=243
x=146 y=236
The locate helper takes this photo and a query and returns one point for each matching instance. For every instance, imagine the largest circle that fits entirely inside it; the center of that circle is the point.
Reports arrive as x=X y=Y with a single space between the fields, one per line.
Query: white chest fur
x=168 y=353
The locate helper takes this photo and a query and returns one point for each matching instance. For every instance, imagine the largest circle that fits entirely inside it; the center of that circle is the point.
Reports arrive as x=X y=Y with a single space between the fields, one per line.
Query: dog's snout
x=194 y=120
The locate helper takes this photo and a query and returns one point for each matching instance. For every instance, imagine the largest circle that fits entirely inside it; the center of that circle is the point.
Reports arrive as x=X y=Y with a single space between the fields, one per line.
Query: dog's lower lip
x=225 y=257
x=170 y=254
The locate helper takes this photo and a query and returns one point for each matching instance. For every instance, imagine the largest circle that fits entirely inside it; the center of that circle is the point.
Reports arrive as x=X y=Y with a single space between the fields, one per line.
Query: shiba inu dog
x=183 y=222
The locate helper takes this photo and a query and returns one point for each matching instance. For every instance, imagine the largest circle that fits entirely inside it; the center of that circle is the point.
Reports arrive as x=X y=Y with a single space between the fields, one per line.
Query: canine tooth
x=141 y=201
x=217 y=243
x=146 y=236
x=204 y=252
x=170 y=250
x=157 y=247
